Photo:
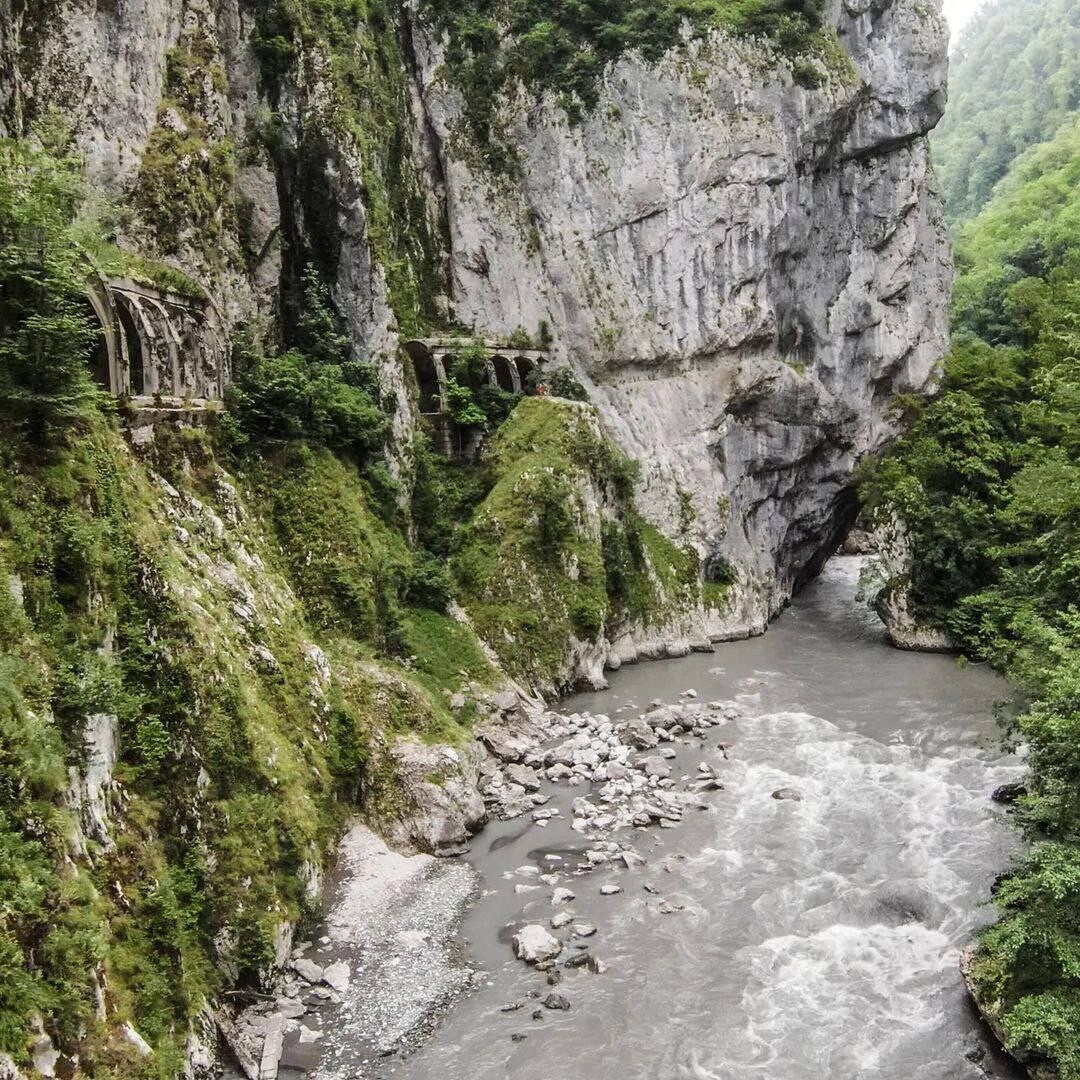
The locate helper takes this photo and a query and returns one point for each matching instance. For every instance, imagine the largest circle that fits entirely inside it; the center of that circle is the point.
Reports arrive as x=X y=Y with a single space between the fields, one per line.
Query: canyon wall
x=743 y=270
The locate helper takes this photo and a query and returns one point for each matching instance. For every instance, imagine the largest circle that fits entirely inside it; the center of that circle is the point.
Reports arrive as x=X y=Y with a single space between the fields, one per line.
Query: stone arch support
x=160 y=345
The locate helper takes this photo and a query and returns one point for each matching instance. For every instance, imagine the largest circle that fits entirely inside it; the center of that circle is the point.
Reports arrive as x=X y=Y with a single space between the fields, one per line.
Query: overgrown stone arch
x=430 y=377
x=527 y=370
x=504 y=374
x=158 y=343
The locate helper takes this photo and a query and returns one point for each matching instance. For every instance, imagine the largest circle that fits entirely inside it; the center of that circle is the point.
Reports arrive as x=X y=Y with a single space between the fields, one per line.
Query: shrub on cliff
x=313 y=393
x=46 y=331
x=565 y=46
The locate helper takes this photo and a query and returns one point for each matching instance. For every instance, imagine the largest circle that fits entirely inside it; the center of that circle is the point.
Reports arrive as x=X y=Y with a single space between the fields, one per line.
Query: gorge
x=375 y=373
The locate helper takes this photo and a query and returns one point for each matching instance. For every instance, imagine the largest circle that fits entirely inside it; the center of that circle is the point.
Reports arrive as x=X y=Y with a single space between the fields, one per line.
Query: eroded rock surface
x=745 y=271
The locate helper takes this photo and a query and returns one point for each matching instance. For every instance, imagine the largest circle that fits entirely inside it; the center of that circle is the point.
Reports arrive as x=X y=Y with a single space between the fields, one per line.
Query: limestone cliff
x=743 y=269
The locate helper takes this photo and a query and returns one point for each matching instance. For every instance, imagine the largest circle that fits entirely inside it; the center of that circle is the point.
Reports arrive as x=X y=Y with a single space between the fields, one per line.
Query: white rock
x=337 y=976
x=534 y=944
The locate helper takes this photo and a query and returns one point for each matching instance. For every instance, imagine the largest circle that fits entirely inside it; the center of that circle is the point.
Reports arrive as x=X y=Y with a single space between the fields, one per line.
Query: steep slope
x=985 y=486
x=734 y=240
x=744 y=270
x=225 y=631
x=1014 y=78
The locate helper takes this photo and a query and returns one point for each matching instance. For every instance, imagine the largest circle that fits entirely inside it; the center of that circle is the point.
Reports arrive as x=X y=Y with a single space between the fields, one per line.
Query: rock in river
x=534 y=944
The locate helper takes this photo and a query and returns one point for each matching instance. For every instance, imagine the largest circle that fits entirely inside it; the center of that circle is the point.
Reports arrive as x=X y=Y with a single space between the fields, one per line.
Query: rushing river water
x=819 y=939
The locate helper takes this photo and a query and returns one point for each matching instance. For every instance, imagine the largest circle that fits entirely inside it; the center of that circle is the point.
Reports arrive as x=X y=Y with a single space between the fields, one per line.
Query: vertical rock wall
x=745 y=271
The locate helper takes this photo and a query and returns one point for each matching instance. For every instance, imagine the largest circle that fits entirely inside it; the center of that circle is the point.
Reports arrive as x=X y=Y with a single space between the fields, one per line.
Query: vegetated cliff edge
x=746 y=271
x=738 y=251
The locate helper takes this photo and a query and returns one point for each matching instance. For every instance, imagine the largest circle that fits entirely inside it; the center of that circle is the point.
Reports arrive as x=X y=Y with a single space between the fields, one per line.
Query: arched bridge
x=157 y=345
x=513 y=369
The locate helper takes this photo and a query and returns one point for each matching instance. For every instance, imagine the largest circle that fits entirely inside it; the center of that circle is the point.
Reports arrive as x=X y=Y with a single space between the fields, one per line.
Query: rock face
x=744 y=271
x=893 y=602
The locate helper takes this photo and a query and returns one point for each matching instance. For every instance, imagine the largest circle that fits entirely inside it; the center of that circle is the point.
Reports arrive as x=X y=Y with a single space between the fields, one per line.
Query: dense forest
x=987 y=480
x=1014 y=79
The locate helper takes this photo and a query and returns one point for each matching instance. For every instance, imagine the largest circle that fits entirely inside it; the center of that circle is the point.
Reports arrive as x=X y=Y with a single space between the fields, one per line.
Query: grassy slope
x=191 y=618
x=556 y=550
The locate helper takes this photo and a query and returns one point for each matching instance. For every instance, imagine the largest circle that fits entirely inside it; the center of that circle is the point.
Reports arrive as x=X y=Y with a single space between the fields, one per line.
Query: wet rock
x=787 y=794
x=308 y=970
x=563 y=918
x=273 y=1044
x=291 y=1008
x=505 y=745
x=557 y=1002
x=655 y=766
x=534 y=944
x=1009 y=793
x=528 y=778
x=639 y=735
x=596 y=965
x=562 y=896
x=583 y=929
x=610 y=890
x=518 y=1036
x=337 y=976
x=512 y=1006
x=577 y=960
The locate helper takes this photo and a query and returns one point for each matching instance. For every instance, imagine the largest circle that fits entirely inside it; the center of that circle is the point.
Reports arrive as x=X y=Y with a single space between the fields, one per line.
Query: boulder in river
x=534 y=944
x=655 y=766
x=1009 y=793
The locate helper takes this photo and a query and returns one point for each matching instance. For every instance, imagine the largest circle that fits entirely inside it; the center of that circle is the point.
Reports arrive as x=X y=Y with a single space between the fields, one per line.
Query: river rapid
x=811 y=940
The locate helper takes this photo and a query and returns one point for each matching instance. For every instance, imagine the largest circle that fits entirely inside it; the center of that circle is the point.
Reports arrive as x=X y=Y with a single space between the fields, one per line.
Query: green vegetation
x=987 y=483
x=314 y=392
x=540 y=562
x=46 y=332
x=188 y=170
x=564 y=47
x=1013 y=81
x=186 y=622
x=562 y=382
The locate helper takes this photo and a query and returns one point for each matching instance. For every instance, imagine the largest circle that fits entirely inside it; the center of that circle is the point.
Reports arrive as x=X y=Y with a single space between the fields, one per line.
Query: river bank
x=808 y=936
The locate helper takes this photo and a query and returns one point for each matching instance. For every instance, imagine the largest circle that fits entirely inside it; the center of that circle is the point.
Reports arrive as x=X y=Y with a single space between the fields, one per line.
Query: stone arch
x=97 y=357
x=527 y=371
x=430 y=377
x=505 y=375
x=105 y=358
x=134 y=348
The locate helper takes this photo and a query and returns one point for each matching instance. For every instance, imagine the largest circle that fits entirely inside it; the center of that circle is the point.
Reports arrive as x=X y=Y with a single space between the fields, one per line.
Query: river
x=812 y=940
